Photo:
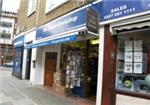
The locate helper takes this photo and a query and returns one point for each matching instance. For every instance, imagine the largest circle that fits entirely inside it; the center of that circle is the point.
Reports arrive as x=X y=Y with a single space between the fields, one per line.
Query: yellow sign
x=94 y=41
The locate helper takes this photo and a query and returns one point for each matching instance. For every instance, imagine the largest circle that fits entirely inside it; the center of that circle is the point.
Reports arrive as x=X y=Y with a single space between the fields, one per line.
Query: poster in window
x=128 y=68
x=128 y=56
x=138 y=68
x=138 y=56
x=138 y=45
x=128 y=46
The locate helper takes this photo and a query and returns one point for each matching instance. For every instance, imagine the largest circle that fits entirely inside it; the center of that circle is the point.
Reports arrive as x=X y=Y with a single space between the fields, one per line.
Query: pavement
x=20 y=92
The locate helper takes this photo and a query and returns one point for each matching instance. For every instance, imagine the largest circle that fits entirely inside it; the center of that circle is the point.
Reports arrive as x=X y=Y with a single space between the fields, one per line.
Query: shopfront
x=126 y=53
x=79 y=65
x=67 y=53
x=18 y=56
x=27 y=66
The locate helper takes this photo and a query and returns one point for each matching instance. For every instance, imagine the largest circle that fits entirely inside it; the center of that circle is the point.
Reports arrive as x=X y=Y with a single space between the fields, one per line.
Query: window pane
x=133 y=62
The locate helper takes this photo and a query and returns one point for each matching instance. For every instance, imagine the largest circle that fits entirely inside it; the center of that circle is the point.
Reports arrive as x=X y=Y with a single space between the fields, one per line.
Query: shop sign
x=19 y=41
x=53 y=42
x=92 y=21
x=113 y=9
x=65 y=23
x=52 y=4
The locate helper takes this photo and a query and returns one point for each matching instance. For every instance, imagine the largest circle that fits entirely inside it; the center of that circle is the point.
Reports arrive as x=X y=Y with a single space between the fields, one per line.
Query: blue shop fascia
x=18 y=43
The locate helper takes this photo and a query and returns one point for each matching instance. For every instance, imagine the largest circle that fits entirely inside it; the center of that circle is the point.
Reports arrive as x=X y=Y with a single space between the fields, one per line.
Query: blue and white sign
x=53 y=42
x=113 y=9
x=19 y=41
x=73 y=20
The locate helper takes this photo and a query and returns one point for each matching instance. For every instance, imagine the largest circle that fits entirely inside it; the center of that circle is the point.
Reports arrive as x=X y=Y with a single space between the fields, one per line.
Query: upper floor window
x=52 y=4
x=6 y=24
x=5 y=35
x=32 y=6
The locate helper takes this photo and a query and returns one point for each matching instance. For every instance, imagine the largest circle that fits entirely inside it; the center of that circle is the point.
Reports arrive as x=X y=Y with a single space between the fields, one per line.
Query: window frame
x=55 y=4
x=32 y=5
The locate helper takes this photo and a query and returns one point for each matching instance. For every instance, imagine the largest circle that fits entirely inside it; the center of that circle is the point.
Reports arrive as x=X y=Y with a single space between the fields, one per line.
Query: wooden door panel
x=50 y=68
x=48 y=79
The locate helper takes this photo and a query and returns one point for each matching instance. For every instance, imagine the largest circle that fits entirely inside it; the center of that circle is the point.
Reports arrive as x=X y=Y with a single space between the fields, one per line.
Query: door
x=50 y=68
x=28 y=64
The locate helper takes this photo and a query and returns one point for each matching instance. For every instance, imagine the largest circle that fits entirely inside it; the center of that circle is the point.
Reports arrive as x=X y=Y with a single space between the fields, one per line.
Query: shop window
x=133 y=62
x=5 y=35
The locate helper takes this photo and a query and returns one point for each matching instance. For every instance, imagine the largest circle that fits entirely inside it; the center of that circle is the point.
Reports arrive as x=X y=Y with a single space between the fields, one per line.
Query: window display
x=133 y=73
x=73 y=69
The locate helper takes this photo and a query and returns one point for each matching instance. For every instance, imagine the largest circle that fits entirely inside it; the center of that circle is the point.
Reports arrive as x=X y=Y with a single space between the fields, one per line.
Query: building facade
x=57 y=45
x=7 y=30
x=60 y=49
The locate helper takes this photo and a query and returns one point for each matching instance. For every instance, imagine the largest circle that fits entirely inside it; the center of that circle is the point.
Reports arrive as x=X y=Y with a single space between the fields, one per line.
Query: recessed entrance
x=80 y=62
x=50 y=68
x=28 y=64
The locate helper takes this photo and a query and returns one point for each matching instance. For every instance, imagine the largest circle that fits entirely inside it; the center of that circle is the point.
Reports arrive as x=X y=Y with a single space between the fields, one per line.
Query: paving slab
x=14 y=91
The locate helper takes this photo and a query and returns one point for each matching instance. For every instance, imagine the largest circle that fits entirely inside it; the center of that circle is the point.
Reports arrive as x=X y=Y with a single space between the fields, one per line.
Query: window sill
x=134 y=94
x=29 y=15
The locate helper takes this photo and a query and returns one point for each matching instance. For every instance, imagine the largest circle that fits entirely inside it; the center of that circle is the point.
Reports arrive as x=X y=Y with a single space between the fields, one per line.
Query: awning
x=56 y=40
x=131 y=27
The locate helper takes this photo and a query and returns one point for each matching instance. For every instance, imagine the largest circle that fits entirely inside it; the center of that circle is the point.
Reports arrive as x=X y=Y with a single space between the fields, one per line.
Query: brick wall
x=28 y=22
x=63 y=9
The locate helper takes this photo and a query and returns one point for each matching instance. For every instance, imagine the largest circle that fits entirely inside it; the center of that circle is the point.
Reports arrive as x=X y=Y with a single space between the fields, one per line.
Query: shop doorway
x=28 y=64
x=92 y=71
x=50 y=68
x=81 y=64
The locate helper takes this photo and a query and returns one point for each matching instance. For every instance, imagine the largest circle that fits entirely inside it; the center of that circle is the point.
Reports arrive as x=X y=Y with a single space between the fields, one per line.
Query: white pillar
x=24 y=63
x=32 y=69
x=100 y=66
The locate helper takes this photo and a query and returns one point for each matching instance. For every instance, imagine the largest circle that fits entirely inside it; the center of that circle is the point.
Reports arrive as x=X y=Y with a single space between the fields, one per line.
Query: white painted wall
x=32 y=69
x=24 y=63
x=37 y=74
x=38 y=70
x=100 y=66
x=30 y=36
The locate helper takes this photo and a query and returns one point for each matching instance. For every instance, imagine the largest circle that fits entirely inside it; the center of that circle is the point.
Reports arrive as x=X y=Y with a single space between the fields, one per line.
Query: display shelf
x=73 y=69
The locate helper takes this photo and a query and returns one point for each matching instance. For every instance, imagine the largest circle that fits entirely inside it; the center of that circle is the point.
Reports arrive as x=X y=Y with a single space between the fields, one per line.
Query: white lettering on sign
x=60 y=23
x=17 y=43
x=118 y=11
x=60 y=40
